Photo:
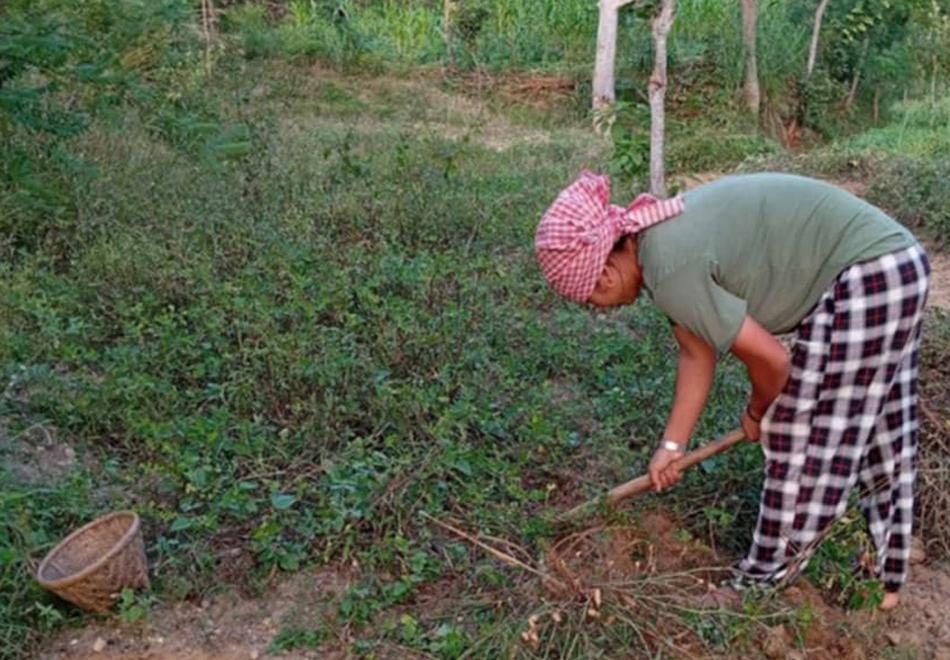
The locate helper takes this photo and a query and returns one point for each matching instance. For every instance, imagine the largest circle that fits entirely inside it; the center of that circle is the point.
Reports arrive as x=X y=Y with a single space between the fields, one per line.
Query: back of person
x=767 y=245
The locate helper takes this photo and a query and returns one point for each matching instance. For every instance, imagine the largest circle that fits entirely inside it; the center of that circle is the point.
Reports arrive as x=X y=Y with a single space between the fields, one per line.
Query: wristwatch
x=669 y=445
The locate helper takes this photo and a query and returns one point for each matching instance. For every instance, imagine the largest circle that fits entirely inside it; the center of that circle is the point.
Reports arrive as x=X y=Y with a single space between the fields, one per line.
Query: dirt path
x=939 y=279
x=922 y=622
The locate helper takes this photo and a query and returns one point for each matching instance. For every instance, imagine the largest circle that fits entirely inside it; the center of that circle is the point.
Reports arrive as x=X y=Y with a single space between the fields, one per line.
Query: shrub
x=916 y=191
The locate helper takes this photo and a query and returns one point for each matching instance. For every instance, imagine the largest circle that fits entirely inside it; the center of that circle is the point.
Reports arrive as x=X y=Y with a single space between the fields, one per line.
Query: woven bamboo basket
x=92 y=565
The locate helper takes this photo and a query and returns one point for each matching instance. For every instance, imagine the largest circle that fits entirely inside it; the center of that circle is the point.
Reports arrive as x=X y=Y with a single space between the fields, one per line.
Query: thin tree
x=449 y=8
x=815 y=31
x=603 y=87
x=750 y=90
x=208 y=29
x=853 y=91
x=662 y=23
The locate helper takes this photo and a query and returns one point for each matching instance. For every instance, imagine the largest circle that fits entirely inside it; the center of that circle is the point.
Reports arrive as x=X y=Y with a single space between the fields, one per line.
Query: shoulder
x=678 y=244
x=664 y=278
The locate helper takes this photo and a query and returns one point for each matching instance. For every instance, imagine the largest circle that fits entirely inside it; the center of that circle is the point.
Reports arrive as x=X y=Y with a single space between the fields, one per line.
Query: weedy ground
x=296 y=323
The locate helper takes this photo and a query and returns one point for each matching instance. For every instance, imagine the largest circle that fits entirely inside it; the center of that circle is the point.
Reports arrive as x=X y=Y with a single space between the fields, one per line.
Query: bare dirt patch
x=36 y=455
x=609 y=557
x=939 y=278
x=655 y=572
x=921 y=622
x=654 y=576
x=224 y=627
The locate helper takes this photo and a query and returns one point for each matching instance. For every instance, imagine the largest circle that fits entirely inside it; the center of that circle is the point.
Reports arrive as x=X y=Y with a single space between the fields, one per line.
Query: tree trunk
x=852 y=93
x=448 y=19
x=603 y=92
x=208 y=24
x=662 y=23
x=933 y=82
x=750 y=16
x=815 y=31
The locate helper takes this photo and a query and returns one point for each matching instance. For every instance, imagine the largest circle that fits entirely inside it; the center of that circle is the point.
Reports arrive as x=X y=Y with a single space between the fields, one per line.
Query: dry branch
x=495 y=552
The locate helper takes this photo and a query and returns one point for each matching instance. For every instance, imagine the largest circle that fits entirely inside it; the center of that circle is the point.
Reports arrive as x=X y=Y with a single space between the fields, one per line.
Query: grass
x=290 y=316
x=295 y=348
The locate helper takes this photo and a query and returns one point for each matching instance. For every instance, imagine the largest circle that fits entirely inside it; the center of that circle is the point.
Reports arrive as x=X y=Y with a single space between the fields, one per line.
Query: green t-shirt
x=763 y=245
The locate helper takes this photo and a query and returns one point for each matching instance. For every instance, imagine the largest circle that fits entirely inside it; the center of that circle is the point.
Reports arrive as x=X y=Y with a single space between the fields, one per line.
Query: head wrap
x=578 y=231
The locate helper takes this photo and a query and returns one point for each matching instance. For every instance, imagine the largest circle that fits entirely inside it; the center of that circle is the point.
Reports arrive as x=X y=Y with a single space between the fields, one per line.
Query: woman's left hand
x=751 y=427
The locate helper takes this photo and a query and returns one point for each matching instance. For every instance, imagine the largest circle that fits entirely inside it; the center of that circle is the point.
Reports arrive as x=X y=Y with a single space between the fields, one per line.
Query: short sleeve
x=690 y=297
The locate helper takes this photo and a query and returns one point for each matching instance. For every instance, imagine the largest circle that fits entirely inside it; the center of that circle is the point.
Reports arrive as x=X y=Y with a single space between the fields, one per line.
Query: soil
x=918 y=628
x=224 y=627
x=609 y=560
x=939 y=278
x=921 y=622
x=35 y=455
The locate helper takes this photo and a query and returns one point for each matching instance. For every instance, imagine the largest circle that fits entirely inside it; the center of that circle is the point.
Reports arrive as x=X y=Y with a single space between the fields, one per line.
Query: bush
x=694 y=144
x=918 y=129
x=63 y=65
x=916 y=192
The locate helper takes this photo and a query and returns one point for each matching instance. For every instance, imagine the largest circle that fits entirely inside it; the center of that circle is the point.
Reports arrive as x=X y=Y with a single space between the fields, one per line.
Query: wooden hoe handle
x=642 y=484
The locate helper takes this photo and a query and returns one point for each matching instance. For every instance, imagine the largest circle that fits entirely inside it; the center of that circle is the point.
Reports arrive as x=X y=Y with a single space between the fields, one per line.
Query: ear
x=607 y=280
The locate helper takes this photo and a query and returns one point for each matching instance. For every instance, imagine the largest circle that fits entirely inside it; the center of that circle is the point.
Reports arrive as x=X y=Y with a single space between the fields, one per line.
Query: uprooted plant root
x=648 y=580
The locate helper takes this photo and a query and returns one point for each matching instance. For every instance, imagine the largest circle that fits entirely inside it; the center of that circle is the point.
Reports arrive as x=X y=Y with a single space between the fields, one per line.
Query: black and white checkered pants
x=847 y=417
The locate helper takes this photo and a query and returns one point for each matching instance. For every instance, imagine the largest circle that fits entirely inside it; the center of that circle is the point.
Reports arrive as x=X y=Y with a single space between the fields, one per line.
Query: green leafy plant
x=134 y=606
x=835 y=565
x=291 y=638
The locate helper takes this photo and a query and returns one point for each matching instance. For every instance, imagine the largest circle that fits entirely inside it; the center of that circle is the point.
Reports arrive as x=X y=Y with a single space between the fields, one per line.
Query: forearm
x=694 y=376
x=766 y=362
x=768 y=377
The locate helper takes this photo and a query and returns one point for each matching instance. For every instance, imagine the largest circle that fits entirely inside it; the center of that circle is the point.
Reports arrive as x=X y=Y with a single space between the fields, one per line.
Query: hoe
x=641 y=484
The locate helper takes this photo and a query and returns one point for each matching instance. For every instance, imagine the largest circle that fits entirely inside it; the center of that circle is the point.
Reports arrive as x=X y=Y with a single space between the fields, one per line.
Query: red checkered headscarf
x=580 y=228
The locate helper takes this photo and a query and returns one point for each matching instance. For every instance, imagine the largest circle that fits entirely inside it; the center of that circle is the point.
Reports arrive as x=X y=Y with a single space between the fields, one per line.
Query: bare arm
x=694 y=376
x=767 y=363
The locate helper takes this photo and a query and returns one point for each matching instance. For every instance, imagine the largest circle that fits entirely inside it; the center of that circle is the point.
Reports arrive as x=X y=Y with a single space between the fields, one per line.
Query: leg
x=888 y=474
x=818 y=433
x=786 y=434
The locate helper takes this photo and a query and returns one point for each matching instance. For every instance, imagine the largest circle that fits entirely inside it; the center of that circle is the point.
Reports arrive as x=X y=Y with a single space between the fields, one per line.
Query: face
x=619 y=283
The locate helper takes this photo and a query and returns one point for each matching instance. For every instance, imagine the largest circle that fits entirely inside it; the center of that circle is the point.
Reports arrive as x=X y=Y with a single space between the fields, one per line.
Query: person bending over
x=733 y=263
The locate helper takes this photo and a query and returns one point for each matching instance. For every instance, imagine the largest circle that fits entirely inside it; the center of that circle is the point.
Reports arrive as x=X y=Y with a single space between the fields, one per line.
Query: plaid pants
x=847 y=417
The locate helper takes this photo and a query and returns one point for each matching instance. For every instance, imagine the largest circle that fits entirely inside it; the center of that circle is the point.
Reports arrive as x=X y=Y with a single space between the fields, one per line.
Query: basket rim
x=76 y=577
